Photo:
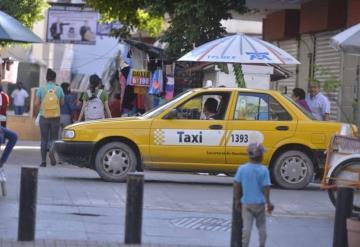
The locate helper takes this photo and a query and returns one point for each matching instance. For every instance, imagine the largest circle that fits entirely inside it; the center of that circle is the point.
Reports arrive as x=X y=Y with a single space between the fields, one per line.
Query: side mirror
x=172 y=114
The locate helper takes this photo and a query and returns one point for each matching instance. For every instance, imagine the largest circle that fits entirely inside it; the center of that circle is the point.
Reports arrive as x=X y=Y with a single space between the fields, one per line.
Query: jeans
x=11 y=136
x=65 y=119
x=19 y=110
x=49 y=131
x=249 y=213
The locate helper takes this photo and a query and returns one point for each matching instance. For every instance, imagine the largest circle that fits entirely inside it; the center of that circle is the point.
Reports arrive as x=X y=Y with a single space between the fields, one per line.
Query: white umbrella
x=347 y=41
x=239 y=48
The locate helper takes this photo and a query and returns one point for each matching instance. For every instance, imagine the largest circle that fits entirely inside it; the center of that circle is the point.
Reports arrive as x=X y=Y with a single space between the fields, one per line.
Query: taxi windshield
x=166 y=105
x=302 y=109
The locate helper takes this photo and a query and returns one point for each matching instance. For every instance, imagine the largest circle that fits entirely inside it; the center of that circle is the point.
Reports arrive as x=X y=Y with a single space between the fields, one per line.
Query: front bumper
x=75 y=153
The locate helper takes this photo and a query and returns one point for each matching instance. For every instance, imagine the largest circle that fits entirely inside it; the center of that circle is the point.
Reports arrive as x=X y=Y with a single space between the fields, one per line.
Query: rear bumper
x=75 y=153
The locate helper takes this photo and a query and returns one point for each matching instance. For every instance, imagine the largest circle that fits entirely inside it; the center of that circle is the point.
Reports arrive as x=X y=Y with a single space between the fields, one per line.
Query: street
x=184 y=209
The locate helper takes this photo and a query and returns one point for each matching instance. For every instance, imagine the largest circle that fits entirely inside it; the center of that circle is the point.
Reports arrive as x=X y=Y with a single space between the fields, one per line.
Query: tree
x=192 y=23
x=28 y=12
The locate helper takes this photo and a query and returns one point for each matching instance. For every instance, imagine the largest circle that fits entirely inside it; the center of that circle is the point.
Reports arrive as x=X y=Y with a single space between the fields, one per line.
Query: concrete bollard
x=27 y=204
x=344 y=205
x=134 y=206
x=236 y=225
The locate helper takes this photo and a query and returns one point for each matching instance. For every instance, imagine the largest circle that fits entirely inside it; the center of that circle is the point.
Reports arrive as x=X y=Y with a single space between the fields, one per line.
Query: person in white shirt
x=319 y=104
x=19 y=95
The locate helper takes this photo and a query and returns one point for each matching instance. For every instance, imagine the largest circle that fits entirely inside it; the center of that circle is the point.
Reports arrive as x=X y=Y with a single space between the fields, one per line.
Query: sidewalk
x=74 y=243
x=76 y=208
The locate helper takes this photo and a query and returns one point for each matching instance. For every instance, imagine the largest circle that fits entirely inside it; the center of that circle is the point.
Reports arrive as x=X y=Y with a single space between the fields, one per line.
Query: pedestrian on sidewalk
x=4 y=104
x=19 y=95
x=49 y=98
x=11 y=137
x=252 y=192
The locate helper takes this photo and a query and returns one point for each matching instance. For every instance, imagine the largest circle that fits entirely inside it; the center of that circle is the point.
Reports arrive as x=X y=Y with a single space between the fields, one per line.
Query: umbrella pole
x=239 y=75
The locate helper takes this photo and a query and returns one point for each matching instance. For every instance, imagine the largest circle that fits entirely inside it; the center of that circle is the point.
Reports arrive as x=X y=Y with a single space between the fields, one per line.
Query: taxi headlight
x=346 y=130
x=68 y=134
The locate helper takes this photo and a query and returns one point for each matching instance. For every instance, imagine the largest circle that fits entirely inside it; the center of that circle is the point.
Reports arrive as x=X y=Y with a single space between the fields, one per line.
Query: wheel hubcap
x=116 y=162
x=293 y=170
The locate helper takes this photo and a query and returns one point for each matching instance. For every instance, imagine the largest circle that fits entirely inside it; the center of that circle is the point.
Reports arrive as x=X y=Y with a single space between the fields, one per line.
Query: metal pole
x=344 y=205
x=27 y=205
x=134 y=206
x=236 y=225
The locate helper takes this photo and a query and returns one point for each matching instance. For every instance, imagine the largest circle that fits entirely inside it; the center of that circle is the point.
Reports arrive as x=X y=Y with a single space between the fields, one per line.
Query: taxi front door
x=189 y=140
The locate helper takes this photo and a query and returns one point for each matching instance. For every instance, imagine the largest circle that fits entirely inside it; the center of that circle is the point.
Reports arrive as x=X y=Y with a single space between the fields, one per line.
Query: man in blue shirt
x=252 y=190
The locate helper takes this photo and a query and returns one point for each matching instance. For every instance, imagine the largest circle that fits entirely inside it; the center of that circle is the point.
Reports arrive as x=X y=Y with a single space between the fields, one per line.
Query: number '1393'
x=239 y=138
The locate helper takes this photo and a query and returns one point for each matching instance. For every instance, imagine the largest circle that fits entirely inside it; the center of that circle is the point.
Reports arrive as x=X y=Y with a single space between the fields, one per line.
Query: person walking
x=252 y=193
x=48 y=99
x=319 y=104
x=11 y=137
x=95 y=101
x=299 y=97
x=68 y=108
x=19 y=95
x=4 y=104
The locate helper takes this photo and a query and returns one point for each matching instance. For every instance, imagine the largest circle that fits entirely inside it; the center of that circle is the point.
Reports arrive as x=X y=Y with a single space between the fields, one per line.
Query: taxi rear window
x=260 y=107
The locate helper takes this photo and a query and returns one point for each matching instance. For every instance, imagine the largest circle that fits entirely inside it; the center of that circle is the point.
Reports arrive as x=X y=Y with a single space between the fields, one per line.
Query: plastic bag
x=37 y=120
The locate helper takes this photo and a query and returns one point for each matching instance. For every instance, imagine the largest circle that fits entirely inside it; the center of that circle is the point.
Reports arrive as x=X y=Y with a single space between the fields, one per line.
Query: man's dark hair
x=211 y=105
x=299 y=92
x=50 y=75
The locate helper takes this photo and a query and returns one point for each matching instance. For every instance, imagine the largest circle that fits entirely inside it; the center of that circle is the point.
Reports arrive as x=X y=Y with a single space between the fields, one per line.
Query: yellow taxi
x=181 y=135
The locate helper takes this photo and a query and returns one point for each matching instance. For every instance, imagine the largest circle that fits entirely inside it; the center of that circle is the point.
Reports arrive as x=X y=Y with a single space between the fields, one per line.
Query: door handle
x=282 y=128
x=216 y=127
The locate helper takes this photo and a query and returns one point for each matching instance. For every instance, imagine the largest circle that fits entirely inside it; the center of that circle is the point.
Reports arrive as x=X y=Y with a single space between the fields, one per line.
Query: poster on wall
x=71 y=25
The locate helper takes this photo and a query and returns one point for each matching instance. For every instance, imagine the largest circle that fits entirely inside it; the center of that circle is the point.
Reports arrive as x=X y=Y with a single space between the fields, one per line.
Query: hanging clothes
x=156 y=83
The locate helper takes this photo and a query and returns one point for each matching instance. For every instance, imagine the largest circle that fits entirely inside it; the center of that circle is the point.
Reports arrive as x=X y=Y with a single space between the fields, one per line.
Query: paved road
x=186 y=209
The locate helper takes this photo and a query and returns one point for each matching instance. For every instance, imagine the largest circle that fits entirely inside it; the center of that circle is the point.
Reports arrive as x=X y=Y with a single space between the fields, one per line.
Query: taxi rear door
x=257 y=117
x=187 y=138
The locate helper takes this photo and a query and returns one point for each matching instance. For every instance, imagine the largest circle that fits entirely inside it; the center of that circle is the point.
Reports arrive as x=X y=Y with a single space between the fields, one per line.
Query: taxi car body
x=177 y=136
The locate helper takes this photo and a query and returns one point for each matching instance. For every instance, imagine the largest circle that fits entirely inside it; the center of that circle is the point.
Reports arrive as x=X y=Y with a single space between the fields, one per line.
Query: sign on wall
x=71 y=24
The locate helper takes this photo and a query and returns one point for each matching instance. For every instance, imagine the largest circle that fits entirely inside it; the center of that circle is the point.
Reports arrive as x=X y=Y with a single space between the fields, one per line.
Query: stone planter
x=353 y=230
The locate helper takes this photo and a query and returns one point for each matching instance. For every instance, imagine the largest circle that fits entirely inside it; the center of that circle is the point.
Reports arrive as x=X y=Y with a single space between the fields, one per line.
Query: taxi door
x=257 y=117
x=188 y=137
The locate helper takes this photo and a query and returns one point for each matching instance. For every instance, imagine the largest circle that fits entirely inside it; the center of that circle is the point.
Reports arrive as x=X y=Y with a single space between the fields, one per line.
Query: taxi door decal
x=186 y=137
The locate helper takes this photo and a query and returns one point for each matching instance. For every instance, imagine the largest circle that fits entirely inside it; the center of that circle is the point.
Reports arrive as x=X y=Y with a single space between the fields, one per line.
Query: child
x=252 y=184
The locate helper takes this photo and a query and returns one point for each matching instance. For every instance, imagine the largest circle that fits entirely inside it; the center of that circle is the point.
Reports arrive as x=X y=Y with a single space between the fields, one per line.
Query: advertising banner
x=72 y=25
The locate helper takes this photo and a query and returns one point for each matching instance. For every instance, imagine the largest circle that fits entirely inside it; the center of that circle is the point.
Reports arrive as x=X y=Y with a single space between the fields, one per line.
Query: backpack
x=50 y=104
x=94 y=108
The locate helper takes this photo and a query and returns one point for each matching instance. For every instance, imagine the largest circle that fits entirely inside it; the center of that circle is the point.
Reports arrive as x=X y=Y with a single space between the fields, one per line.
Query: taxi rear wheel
x=114 y=161
x=293 y=169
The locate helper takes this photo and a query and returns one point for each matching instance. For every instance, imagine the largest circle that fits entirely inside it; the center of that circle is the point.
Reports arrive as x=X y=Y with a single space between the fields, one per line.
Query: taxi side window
x=261 y=107
x=204 y=107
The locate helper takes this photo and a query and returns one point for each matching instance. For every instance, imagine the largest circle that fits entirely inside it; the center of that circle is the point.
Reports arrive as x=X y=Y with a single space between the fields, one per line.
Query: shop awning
x=150 y=49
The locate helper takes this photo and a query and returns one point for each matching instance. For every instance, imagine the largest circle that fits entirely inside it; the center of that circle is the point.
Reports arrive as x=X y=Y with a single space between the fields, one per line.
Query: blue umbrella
x=12 y=30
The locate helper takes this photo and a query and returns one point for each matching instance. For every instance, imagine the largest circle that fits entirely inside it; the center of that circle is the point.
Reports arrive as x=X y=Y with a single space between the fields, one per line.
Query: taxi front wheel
x=114 y=161
x=293 y=169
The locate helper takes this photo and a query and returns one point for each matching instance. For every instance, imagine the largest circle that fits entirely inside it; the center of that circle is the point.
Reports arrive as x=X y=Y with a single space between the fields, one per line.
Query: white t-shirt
x=19 y=97
x=319 y=105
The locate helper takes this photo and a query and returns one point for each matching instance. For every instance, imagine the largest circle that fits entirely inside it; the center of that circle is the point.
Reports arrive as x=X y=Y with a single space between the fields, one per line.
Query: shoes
x=52 y=157
x=2 y=175
x=43 y=164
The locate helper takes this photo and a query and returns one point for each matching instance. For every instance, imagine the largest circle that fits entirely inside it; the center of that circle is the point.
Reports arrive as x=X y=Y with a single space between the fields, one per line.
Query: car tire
x=293 y=169
x=114 y=161
x=336 y=173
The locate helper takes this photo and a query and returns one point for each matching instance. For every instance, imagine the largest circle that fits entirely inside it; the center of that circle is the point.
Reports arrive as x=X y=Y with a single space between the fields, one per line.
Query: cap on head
x=255 y=150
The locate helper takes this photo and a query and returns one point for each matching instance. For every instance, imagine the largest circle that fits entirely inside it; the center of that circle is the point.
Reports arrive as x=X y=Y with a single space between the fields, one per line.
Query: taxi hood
x=121 y=122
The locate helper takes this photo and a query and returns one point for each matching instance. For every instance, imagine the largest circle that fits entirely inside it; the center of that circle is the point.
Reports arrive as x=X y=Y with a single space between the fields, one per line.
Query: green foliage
x=192 y=23
x=28 y=12
x=239 y=76
x=329 y=81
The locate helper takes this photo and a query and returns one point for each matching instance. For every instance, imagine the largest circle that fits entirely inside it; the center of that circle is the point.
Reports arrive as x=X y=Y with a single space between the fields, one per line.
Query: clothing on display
x=156 y=83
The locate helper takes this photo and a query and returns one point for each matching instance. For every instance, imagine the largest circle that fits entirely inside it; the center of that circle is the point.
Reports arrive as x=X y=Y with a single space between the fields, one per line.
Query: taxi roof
x=204 y=89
